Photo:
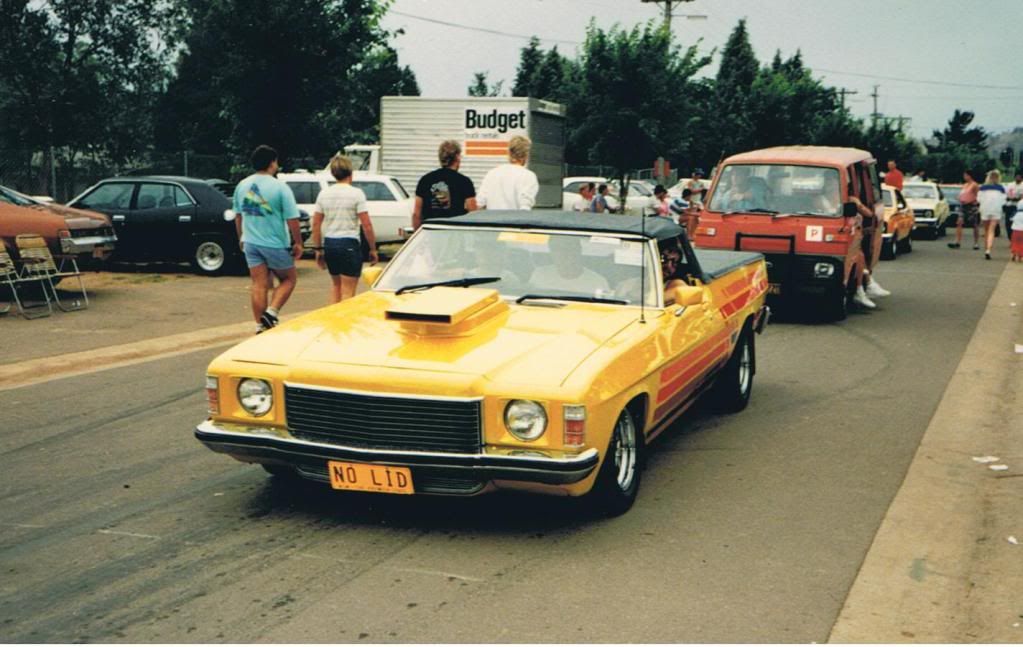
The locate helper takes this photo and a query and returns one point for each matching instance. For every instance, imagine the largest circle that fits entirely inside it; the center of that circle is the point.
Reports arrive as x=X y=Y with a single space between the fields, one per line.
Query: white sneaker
x=875 y=290
x=862 y=299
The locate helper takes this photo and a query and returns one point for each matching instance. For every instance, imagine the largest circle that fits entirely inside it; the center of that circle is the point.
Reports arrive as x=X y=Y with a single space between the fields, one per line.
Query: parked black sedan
x=167 y=218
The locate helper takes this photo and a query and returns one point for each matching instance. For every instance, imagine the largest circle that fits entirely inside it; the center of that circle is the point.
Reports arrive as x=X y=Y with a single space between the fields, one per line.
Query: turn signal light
x=212 y=395
x=575 y=425
x=706 y=231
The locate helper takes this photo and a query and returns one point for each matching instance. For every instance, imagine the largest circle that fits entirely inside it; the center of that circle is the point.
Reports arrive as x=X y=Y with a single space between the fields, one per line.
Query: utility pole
x=874 y=115
x=667 y=6
x=842 y=93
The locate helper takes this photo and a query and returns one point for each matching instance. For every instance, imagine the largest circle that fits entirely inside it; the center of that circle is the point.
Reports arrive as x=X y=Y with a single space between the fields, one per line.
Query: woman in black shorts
x=340 y=212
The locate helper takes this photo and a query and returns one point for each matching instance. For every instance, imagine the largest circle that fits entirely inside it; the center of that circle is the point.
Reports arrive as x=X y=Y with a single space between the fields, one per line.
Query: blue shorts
x=273 y=257
x=343 y=256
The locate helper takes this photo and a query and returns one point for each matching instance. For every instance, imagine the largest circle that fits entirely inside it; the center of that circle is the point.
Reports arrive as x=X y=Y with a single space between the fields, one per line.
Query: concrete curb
x=44 y=369
x=942 y=568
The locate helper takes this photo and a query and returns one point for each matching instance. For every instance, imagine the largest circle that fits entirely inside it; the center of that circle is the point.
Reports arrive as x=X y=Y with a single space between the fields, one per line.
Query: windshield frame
x=934 y=188
x=651 y=254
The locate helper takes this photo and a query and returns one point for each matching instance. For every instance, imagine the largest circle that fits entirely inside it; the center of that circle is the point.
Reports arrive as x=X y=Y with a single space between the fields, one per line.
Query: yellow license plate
x=774 y=288
x=370 y=478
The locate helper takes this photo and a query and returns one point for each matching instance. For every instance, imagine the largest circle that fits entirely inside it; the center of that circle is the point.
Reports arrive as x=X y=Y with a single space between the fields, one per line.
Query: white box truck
x=411 y=129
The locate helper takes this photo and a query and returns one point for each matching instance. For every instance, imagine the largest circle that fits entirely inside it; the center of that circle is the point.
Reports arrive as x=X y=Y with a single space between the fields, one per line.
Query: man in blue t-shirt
x=268 y=232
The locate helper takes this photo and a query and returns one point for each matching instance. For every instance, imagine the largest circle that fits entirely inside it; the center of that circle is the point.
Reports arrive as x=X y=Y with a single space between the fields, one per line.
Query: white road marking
x=127 y=534
x=21 y=525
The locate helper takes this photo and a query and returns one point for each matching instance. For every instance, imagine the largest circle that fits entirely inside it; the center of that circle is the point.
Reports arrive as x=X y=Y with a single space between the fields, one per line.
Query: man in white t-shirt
x=511 y=185
x=340 y=210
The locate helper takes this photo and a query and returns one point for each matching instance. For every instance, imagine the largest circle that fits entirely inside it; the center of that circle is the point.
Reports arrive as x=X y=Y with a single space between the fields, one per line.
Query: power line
x=925 y=81
x=484 y=30
x=496 y=32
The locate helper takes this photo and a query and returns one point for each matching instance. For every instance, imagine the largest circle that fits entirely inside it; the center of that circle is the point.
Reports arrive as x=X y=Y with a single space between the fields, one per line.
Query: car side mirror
x=687 y=295
x=229 y=215
x=370 y=275
x=849 y=210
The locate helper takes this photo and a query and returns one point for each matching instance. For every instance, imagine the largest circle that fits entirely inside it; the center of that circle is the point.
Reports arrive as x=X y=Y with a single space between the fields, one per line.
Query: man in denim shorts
x=268 y=231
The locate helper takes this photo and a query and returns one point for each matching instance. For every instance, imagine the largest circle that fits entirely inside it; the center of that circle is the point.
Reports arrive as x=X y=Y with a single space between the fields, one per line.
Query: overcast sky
x=972 y=61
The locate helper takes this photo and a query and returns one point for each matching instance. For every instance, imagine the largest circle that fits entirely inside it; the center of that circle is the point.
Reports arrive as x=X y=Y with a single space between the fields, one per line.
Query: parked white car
x=640 y=200
x=390 y=207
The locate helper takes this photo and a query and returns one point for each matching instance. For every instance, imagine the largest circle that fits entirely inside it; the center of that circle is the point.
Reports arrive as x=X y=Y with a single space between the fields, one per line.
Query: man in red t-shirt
x=893 y=177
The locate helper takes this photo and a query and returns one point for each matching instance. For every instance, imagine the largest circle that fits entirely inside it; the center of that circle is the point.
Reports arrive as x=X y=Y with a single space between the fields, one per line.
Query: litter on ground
x=998 y=468
x=1012 y=540
x=986 y=459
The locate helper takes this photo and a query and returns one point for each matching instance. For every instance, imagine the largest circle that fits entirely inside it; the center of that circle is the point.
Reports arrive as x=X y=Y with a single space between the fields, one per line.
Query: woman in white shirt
x=991 y=198
x=340 y=210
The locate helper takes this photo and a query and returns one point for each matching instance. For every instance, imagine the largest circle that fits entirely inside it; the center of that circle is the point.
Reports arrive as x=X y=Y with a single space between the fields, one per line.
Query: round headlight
x=255 y=396
x=929 y=214
x=525 y=419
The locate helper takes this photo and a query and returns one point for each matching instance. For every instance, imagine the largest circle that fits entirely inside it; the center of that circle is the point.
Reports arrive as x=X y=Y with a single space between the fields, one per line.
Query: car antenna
x=642 y=266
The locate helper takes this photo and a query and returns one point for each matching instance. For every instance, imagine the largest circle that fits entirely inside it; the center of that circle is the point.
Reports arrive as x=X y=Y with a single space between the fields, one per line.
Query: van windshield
x=778 y=188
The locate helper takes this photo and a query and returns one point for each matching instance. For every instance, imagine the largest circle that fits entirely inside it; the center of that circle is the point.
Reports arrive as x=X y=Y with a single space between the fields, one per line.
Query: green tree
x=481 y=88
x=738 y=70
x=631 y=103
x=84 y=75
x=958 y=148
x=305 y=77
x=530 y=59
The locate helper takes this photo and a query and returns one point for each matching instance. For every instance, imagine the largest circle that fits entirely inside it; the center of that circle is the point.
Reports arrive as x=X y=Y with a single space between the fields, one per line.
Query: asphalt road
x=117 y=526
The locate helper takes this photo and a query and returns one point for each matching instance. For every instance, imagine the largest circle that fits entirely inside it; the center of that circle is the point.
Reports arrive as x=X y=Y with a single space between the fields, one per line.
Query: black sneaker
x=953 y=245
x=987 y=255
x=268 y=320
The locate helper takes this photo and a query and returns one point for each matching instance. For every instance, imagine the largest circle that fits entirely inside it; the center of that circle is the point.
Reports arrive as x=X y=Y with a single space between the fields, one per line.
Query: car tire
x=734 y=386
x=617 y=482
x=905 y=245
x=889 y=249
x=209 y=257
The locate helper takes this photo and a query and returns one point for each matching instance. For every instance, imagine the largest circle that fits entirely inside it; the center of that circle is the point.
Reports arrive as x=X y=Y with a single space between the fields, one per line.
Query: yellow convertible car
x=537 y=351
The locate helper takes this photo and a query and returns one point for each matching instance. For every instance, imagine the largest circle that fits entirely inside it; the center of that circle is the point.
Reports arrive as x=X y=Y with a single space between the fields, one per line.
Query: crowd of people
x=268 y=229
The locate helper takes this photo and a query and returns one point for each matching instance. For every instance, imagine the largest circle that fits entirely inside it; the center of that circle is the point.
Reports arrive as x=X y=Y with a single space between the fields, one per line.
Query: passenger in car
x=674 y=271
x=567 y=272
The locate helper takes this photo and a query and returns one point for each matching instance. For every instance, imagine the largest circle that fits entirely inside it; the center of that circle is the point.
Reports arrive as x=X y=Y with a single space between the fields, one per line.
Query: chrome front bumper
x=87 y=244
x=268 y=447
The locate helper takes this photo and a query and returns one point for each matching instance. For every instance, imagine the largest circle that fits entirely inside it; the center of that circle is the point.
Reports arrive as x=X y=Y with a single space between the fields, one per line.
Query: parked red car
x=82 y=234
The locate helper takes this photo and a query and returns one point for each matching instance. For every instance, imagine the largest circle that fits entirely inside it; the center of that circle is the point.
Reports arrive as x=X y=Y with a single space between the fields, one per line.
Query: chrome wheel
x=745 y=369
x=625 y=453
x=209 y=256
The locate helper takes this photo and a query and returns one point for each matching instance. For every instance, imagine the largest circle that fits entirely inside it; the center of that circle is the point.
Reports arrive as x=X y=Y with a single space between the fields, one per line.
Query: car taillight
x=706 y=231
x=575 y=425
x=64 y=233
x=212 y=395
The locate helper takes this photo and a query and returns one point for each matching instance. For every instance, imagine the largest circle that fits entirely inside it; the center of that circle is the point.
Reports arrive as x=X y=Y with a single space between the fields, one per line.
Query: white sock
x=272 y=311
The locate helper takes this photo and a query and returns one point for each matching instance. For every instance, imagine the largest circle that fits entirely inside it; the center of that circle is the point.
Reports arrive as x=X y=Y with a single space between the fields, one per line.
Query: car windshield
x=923 y=192
x=951 y=193
x=13 y=197
x=548 y=264
x=778 y=188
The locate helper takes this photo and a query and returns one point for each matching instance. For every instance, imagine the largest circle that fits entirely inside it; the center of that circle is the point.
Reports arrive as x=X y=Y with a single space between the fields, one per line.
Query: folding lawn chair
x=37 y=261
x=10 y=277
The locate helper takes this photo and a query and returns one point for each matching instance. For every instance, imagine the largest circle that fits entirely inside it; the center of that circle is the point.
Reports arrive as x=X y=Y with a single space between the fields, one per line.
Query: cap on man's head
x=698 y=171
x=660 y=189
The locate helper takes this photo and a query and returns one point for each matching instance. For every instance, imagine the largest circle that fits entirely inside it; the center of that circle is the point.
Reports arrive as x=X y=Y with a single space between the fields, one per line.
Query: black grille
x=383 y=422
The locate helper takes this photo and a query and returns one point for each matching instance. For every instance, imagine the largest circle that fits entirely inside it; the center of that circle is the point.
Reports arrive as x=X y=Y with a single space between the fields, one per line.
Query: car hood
x=922 y=203
x=80 y=217
x=527 y=344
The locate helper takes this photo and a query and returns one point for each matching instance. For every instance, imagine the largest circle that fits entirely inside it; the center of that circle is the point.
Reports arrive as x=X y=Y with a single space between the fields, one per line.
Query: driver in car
x=746 y=192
